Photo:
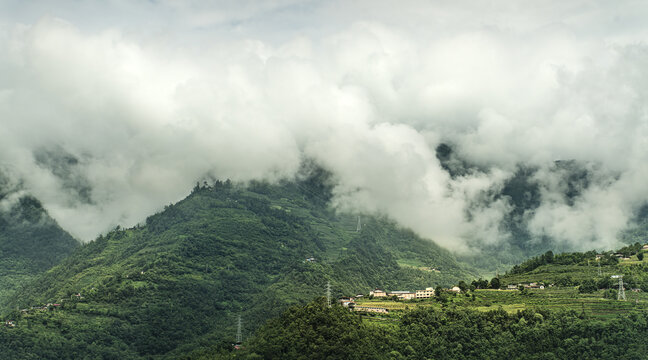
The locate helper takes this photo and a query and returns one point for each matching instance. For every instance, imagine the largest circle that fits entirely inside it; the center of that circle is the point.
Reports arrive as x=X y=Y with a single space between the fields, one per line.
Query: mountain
x=31 y=242
x=177 y=282
x=524 y=192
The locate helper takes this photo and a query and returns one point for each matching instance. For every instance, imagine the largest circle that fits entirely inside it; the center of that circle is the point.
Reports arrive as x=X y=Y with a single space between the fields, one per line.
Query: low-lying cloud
x=107 y=125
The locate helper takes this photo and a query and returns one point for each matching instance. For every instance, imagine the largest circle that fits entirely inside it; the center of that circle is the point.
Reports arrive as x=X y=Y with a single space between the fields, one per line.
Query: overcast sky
x=111 y=109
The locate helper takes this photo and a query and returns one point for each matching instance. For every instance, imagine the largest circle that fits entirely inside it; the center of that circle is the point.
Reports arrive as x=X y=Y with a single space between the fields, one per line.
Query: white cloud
x=246 y=91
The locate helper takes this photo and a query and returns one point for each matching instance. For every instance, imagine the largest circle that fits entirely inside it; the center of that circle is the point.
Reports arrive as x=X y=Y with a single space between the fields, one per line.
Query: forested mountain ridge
x=178 y=281
x=31 y=242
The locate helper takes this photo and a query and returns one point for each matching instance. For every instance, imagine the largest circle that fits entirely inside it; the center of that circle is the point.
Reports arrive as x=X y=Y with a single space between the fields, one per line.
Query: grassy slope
x=178 y=282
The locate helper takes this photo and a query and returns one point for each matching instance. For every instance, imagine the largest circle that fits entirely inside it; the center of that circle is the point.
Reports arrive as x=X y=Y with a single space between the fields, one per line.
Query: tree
x=495 y=283
x=587 y=286
x=610 y=294
x=640 y=256
x=548 y=257
x=441 y=294
x=480 y=284
x=565 y=281
x=463 y=286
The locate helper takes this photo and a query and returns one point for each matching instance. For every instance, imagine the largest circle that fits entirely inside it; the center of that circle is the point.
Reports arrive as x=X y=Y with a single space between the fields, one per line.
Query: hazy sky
x=111 y=109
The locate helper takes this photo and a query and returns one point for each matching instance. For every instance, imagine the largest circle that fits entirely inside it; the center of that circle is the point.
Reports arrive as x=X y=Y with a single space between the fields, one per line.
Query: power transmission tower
x=599 y=269
x=621 y=293
x=359 y=226
x=328 y=293
x=239 y=336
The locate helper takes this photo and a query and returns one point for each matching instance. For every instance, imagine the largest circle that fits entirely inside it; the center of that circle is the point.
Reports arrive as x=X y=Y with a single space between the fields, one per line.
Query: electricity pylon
x=621 y=293
x=328 y=293
x=239 y=335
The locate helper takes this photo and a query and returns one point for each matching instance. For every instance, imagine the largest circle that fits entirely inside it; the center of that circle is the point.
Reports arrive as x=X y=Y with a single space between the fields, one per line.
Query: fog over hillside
x=110 y=110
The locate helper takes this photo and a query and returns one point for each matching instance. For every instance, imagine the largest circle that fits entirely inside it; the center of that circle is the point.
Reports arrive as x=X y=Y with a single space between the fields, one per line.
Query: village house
x=425 y=294
x=456 y=289
x=346 y=302
x=645 y=247
x=533 y=285
x=10 y=323
x=599 y=256
x=403 y=295
x=377 y=293
x=371 y=309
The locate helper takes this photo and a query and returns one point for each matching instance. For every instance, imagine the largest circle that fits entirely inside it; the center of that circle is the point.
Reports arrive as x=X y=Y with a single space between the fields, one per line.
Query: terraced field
x=555 y=299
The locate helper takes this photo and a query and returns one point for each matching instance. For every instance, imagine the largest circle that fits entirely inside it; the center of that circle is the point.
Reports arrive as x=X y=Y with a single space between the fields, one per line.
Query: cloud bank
x=107 y=121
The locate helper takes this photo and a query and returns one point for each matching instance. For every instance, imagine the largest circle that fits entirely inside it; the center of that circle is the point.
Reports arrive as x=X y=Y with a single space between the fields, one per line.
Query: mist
x=109 y=112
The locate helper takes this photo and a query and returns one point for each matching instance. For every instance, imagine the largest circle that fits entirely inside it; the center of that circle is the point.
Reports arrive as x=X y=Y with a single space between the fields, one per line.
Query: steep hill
x=178 y=281
x=31 y=242
x=562 y=306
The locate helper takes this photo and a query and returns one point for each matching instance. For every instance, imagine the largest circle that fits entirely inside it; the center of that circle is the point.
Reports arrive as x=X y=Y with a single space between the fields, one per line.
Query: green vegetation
x=317 y=332
x=172 y=287
x=31 y=242
x=577 y=315
x=574 y=269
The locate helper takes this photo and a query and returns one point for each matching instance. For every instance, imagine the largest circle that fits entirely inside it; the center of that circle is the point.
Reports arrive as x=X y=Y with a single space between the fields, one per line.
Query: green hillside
x=31 y=242
x=315 y=331
x=561 y=306
x=176 y=283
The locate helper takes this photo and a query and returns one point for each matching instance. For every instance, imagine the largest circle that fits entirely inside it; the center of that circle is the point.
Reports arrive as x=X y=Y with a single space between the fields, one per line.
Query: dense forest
x=315 y=331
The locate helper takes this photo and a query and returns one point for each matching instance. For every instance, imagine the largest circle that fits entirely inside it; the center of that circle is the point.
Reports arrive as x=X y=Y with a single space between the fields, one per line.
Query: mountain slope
x=180 y=279
x=31 y=241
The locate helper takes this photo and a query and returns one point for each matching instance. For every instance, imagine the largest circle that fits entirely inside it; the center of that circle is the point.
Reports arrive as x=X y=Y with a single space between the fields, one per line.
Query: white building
x=425 y=294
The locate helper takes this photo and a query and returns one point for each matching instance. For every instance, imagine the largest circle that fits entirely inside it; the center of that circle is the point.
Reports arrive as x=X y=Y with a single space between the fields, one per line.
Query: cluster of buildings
x=371 y=309
x=49 y=306
x=400 y=294
x=349 y=302
x=620 y=256
x=406 y=295
x=617 y=255
x=532 y=285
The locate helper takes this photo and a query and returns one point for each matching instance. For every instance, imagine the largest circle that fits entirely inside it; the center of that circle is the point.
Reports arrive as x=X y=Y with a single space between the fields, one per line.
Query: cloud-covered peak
x=108 y=118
